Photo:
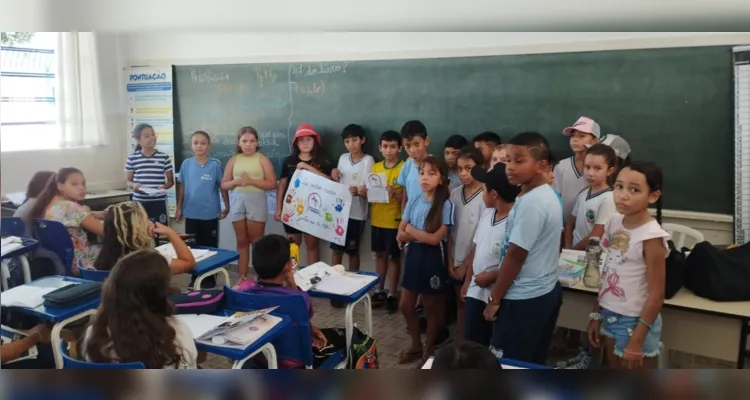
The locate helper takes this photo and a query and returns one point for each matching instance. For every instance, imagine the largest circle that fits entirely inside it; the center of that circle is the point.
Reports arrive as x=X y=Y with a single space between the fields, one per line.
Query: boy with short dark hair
x=272 y=263
x=486 y=143
x=568 y=174
x=498 y=196
x=526 y=292
x=353 y=168
x=415 y=140
x=385 y=219
x=452 y=147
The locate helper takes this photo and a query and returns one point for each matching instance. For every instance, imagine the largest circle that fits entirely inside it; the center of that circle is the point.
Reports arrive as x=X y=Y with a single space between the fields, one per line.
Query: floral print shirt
x=71 y=214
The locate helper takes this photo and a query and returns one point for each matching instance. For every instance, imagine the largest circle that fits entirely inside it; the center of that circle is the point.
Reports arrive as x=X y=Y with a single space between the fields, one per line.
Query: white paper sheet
x=344 y=284
x=200 y=324
x=25 y=296
x=376 y=188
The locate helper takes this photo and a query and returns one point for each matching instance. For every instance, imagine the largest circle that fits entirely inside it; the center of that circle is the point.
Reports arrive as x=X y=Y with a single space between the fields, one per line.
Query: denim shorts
x=619 y=327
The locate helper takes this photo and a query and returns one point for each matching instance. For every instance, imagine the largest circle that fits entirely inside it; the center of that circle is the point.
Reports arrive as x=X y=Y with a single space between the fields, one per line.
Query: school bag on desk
x=675 y=270
x=719 y=275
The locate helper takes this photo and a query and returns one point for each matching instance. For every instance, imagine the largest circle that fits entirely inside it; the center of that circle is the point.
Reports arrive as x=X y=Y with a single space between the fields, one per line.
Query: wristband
x=595 y=316
x=645 y=323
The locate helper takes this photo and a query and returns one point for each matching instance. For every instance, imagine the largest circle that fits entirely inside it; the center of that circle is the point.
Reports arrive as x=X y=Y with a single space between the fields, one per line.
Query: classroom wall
x=154 y=48
x=102 y=165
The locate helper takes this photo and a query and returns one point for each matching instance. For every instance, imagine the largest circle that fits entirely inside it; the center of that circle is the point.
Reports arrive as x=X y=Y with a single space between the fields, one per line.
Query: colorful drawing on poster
x=317 y=206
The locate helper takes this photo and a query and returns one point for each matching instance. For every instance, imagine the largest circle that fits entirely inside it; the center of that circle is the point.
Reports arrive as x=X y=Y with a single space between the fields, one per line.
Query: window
x=28 y=81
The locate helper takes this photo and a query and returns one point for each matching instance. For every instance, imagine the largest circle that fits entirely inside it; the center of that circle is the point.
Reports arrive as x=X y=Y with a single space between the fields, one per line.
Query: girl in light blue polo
x=198 y=191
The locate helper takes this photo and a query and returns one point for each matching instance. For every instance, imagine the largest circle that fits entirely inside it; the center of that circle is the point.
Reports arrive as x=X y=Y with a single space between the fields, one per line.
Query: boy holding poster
x=385 y=219
x=353 y=168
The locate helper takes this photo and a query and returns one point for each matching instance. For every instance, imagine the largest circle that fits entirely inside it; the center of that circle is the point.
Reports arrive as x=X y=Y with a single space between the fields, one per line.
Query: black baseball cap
x=496 y=180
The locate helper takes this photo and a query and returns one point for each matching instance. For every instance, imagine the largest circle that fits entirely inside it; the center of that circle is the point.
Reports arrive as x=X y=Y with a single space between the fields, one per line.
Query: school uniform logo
x=496 y=249
x=314 y=203
x=590 y=216
x=435 y=282
x=207 y=177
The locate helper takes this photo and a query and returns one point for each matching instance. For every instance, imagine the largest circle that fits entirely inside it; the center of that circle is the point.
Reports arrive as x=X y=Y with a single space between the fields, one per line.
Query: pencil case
x=72 y=295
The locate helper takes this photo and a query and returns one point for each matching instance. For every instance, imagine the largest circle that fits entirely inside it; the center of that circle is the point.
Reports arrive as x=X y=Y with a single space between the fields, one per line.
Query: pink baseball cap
x=584 y=124
x=306 y=130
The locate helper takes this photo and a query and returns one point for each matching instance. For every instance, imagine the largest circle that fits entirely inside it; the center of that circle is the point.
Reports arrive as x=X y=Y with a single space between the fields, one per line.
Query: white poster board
x=150 y=101
x=317 y=206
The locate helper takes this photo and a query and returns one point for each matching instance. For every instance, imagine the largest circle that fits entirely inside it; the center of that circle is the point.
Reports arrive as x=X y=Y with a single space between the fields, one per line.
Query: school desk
x=27 y=246
x=262 y=345
x=213 y=265
x=59 y=317
x=101 y=199
x=690 y=324
x=362 y=295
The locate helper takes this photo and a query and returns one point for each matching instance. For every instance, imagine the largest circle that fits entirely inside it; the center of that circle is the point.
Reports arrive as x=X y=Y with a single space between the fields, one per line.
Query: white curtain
x=79 y=97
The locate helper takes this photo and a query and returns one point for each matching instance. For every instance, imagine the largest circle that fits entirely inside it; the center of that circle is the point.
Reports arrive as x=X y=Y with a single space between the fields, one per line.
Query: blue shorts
x=425 y=270
x=619 y=327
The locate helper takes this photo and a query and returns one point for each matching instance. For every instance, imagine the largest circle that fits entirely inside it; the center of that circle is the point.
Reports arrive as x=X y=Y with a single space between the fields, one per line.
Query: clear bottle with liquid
x=593 y=253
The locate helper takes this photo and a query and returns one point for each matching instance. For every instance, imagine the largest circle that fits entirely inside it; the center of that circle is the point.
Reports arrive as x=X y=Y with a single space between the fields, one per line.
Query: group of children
x=483 y=225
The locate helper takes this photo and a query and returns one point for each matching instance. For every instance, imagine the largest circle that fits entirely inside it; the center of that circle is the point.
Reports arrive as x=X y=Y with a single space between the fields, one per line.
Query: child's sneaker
x=573 y=360
x=391 y=304
x=378 y=298
x=584 y=363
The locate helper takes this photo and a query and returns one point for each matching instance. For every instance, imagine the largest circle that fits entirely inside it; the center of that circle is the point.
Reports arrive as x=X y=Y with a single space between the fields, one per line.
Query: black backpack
x=675 y=271
x=720 y=275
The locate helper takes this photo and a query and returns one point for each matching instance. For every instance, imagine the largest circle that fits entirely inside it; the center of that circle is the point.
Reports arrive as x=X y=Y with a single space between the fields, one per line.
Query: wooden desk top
x=685 y=299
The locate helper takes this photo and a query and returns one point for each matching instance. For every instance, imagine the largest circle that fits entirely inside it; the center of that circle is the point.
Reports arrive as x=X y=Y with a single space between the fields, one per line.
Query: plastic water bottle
x=593 y=252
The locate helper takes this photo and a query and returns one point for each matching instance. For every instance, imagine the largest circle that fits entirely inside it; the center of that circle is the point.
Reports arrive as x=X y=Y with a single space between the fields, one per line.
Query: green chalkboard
x=674 y=106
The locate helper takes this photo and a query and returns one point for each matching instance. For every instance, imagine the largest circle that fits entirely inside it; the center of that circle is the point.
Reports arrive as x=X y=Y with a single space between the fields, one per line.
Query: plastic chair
x=680 y=232
x=12 y=226
x=54 y=237
x=71 y=363
x=93 y=275
x=296 y=342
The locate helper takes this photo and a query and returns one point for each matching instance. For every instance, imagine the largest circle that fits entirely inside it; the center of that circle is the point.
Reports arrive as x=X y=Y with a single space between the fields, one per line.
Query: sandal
x=408 y=357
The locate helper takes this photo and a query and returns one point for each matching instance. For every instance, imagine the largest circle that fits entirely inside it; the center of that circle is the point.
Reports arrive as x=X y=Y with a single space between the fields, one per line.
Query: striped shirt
x=149 y=172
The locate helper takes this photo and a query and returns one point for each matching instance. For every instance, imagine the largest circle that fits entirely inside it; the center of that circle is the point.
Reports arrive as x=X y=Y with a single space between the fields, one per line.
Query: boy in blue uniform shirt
x=526 y=296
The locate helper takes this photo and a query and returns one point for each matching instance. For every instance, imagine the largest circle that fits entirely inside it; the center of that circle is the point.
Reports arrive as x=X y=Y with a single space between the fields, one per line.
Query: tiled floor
x=390 y=334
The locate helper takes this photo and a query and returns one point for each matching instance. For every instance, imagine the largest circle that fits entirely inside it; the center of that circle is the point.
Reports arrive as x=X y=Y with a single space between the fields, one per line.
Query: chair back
x=295 y=343
x=93 y=275
x=54 y=237
x=71 y=363
x=12 y=226
x=681 y=232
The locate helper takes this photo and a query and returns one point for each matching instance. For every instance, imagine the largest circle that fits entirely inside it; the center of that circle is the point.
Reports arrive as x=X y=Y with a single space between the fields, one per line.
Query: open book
x=322 y=277
x=11 y=243
x=9 y=335
x=238 y=330
x=167 y=250
x=28 y=296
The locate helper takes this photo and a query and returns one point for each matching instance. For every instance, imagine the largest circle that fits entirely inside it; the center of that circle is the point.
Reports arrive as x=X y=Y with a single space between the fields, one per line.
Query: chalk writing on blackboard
x=208 y=76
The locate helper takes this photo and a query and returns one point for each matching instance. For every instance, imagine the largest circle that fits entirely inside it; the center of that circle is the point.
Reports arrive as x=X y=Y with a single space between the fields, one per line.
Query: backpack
x=206 y=301
x=719 y=275
x=363 y=354
x=675 y=271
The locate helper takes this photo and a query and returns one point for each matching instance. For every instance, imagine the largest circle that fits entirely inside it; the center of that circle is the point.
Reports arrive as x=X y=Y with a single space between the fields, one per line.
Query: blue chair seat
x=93 y=275
x=54 y=237
x=71 y=363
x=12 y=226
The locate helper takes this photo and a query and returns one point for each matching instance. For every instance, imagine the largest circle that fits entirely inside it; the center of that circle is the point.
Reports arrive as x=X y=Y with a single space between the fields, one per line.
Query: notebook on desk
x=27 y=296
x=237 y=331
x=324 y=278
x=168 y=252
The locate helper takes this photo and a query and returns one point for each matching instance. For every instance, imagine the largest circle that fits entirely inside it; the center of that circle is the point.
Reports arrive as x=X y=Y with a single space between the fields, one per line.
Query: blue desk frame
x=363 y=295
x=262 y=345
x=213 y=265
x=59 y=317
x=28 y=245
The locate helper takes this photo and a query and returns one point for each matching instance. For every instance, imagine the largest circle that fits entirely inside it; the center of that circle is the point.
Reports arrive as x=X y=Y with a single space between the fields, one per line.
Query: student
x=499 y=155
x=149 y=168
x=568 y=174
x=595 y=205
x=452 y=147
x=61 y=201
x=352 y=170
x=307 y=155
x=424 y=229
x=36 y=185
x=385 y=219
x=198 y=191
x=127 y=229
x=39 y=337
x=462 y=354
x=498 y=197
x=276 y=278
x=486 y=143
x=134 y=322
x=621 y=148
x=631 y=290
x=415 y=140
x=469 y=206
x=526 y=291
x=248 y=174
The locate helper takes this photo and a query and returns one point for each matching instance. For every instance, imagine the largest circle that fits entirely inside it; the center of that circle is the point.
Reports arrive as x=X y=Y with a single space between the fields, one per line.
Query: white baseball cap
x=617 y=143
x=584 y=124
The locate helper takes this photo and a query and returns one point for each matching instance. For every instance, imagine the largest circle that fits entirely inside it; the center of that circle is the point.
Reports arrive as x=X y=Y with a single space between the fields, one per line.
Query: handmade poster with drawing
x=317 y=206
x=376 y=188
